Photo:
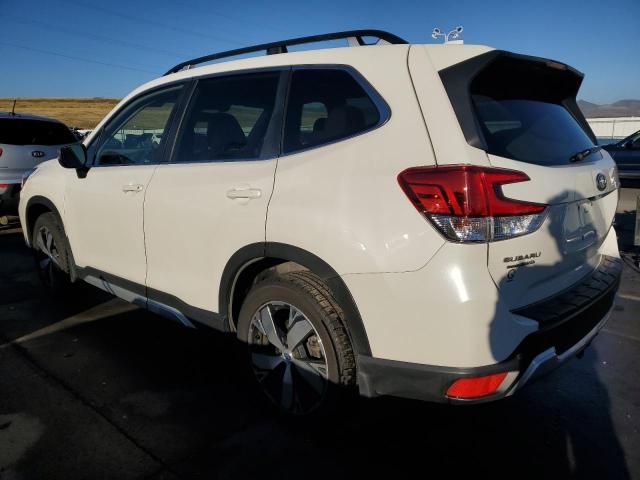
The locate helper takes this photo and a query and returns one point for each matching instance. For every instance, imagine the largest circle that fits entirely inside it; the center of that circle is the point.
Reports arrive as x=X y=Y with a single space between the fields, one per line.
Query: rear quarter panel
x=449 y=143
x=342 y=201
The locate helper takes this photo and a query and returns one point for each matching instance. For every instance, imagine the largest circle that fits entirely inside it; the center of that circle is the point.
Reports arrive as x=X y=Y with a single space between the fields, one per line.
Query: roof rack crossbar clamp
x=276 y=50
x=281 y=46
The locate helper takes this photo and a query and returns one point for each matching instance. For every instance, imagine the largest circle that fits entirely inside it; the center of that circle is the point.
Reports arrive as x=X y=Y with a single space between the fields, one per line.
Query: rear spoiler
x=512 y=75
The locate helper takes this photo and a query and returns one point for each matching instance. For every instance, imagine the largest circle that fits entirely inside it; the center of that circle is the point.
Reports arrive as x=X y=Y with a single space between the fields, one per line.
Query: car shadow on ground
x=183 y=396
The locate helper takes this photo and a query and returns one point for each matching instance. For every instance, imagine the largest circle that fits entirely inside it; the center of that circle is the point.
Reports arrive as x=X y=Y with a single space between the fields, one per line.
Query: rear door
x=526 y=119
x=211 y=199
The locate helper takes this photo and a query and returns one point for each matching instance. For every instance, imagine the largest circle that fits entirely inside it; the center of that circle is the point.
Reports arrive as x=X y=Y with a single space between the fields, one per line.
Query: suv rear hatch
x=26 y=142
x=522 y=112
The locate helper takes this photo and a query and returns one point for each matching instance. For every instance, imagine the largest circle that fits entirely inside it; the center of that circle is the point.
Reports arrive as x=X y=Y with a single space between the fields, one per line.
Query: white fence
x=619 y=127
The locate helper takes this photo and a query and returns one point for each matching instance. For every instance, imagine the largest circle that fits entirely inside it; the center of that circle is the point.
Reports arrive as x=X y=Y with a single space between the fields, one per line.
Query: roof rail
x=281 y=46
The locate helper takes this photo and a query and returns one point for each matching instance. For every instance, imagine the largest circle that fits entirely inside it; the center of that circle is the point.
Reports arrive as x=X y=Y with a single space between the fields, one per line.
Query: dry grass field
x=74 y=112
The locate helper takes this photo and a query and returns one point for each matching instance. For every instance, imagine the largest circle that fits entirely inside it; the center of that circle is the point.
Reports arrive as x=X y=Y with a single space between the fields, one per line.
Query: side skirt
x=155 y=301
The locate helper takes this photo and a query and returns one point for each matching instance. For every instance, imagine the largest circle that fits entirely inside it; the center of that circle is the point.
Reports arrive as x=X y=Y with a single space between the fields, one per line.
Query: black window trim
x=271 y=145
x=384 y=111
x=97 y=140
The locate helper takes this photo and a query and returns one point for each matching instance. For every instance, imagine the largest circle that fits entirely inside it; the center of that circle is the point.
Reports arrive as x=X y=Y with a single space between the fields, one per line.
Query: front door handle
x=244 y=193
x=132 y=188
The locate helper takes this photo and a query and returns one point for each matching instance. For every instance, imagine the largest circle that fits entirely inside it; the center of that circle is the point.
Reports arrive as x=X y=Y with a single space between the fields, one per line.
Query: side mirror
x=74 y=156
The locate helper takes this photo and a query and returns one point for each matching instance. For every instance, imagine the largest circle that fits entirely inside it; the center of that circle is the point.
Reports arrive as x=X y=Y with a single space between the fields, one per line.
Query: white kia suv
x=422 y=221
x=26 y=141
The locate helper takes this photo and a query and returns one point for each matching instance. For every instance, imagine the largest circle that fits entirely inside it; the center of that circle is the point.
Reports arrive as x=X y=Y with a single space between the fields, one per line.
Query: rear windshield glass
x=21 y=131
x=529 y=130
x=521 y=108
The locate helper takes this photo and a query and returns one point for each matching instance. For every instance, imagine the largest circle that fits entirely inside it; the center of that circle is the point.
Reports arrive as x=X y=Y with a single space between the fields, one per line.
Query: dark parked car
x=626 y=153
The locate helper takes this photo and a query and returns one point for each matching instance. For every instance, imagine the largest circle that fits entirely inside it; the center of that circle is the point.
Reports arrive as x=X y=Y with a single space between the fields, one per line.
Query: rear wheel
x=297 y=345
x=51 y=252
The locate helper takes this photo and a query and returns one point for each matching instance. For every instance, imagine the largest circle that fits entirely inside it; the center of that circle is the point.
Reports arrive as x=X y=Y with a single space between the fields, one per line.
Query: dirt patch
x=74 y=112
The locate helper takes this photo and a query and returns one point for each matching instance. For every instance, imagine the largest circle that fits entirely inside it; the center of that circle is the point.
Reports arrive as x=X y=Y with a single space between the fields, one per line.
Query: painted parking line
x=621 y=335
x=629 y=296
x=108 y=309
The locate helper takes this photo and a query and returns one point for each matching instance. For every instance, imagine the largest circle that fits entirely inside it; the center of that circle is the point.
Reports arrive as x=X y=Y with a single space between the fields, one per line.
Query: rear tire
x=297 y=344
x=52 y=254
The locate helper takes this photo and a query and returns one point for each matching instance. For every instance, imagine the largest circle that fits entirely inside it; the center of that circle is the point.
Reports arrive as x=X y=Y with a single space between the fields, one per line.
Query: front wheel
x=297 y=344
x=51 y=253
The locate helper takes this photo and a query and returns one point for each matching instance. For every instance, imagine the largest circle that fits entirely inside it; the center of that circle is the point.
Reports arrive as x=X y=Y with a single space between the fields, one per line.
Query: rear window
x=21 y=131
x=519 y=107
x=228 y=118
x=529 y=130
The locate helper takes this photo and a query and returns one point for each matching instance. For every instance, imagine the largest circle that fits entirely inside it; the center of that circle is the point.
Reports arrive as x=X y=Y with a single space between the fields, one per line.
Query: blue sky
x=85 y=48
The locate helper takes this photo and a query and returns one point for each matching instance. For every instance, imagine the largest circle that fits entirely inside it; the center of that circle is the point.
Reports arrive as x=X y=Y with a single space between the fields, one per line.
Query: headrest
x=343 y=121
x=223 y=131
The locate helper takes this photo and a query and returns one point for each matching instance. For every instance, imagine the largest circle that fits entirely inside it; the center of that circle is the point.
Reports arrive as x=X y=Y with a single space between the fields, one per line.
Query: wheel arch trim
x=38 y=200
x=249 y=254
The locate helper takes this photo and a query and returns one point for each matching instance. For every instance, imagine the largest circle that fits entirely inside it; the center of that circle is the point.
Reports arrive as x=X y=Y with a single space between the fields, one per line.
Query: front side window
x=135 y=135
x=228 y=118
x=326 y=105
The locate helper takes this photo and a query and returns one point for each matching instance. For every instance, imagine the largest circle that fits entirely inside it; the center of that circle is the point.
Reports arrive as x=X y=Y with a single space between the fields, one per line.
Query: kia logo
x=37 y=154
x=601 y=181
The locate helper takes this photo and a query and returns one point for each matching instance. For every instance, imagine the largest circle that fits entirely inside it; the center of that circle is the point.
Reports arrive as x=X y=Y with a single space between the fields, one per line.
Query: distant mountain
x=621 y=108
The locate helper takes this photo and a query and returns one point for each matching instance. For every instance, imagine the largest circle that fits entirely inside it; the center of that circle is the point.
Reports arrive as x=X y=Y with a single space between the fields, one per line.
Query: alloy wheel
x=288 y=357
x=48 y=255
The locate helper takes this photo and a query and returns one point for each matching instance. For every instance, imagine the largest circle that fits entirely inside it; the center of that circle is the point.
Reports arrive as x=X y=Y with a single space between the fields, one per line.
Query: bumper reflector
x=475 y=387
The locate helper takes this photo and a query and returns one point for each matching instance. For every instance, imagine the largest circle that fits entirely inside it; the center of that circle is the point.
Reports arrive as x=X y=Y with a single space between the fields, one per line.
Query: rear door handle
x=132 y=188
x=245 y=193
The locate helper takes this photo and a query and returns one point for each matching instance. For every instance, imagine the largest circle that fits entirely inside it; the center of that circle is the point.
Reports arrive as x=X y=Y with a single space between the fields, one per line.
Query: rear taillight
x=4 y=185
x=466 y=203
x=0 y=152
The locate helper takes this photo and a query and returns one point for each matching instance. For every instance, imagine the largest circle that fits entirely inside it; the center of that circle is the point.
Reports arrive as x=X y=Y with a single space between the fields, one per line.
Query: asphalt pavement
x=92 y=387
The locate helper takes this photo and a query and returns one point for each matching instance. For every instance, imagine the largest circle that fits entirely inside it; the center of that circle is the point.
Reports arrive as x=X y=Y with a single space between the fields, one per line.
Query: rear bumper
x=561 y=336
x=12 y=176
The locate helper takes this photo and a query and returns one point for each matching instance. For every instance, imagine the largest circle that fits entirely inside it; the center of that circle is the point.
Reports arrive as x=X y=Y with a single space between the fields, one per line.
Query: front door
x=104 y=210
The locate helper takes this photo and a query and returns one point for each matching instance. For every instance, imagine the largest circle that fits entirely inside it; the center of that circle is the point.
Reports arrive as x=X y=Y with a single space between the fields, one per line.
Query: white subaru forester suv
x=423 y=221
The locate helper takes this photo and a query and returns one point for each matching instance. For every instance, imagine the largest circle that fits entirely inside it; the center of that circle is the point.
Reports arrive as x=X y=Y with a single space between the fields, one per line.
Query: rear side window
x=228 y=118
x=326 y=105
x=22 y=131
x=522 y=111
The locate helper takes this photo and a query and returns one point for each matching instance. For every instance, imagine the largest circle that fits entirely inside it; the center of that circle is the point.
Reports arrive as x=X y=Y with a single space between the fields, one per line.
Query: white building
x=614 y=127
